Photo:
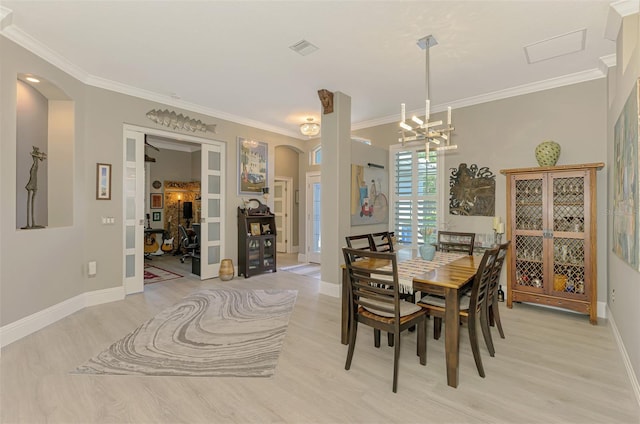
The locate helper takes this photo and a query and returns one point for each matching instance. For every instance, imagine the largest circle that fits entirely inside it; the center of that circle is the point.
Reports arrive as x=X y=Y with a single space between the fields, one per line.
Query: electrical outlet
x=93 y=268
x=613 y=295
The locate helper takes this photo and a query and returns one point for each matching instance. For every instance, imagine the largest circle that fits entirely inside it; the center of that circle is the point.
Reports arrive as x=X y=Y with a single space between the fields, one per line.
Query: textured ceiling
x=232 y=59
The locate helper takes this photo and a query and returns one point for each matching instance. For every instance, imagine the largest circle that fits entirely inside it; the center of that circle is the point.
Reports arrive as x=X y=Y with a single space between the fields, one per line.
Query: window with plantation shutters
x=415 y=192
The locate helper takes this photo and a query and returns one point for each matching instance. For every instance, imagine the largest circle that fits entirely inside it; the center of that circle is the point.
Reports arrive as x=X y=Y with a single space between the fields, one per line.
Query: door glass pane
x=131 y=236
x=214 y=208
x=131 y=207
x=131 y=150
x=316 y=242
x=130 y=266
x=213 y=231
x=213 y=255
x=214 y=184
x=214 y=161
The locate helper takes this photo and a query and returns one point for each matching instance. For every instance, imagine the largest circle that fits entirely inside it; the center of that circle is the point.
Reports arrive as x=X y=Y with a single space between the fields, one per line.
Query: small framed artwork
x=255 y=229
x=156 y=216
x=156 y=201
x=103 y=181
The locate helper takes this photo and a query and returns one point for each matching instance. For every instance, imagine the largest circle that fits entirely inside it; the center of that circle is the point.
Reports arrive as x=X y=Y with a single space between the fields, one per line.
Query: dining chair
x=451 y=241
x=492 y=301
x=361 y=242
x=383 y=241
x=367 y=242
x=375 y=299
x=473 y=309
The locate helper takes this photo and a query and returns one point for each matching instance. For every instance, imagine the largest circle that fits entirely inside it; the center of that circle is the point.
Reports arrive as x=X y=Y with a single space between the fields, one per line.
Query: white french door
x=212 y=231
x=133 y=213
x=313 y=202
x=282 y=210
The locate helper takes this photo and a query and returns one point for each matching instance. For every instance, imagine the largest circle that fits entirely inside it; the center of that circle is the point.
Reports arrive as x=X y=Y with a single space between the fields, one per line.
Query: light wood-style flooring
x=553 y=367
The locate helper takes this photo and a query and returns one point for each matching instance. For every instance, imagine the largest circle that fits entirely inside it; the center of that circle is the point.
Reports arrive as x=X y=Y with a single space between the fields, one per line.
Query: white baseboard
x=330 y=289
x=602 y=309
x=625 y=356
x=34 y=322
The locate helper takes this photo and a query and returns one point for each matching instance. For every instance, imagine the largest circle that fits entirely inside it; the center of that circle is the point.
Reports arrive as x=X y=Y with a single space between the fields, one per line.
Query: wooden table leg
x=344 y=328
x=452 y=335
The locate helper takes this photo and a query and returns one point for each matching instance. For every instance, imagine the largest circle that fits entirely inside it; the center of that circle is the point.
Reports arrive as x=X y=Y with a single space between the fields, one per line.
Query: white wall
x=622 y=278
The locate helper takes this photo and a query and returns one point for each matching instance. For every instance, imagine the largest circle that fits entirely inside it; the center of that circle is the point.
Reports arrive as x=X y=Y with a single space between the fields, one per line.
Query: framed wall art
x=156 y=216
x=252 y=166
x=626 y=194
x=103 y=181
x=156 y=201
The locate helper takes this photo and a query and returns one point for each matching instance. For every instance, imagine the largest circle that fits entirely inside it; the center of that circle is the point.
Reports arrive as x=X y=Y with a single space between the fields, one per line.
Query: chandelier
x=310 y=128
x=433 y=132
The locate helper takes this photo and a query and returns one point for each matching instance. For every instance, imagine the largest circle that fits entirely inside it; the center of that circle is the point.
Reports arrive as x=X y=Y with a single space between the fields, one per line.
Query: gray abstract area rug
x=212 y=333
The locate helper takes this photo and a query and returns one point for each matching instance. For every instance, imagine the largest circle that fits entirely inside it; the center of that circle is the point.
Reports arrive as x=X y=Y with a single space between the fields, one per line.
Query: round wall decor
x=156 y=184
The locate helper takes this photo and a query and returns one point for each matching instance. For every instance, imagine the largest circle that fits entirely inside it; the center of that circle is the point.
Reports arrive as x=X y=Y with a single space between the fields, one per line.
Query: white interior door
x=212 y=230
x=313 y=200
x=133 y=222
x=281 y=210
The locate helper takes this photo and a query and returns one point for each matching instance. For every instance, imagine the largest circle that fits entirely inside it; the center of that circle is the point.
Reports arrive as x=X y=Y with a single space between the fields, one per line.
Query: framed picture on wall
x=156 y=201
x=103 y=181
x=252 y=166
x=156 y=216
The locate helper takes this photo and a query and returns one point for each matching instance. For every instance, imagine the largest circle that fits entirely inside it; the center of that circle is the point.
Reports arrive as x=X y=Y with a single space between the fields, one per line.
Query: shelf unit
x=256 y=252
x=551 y=222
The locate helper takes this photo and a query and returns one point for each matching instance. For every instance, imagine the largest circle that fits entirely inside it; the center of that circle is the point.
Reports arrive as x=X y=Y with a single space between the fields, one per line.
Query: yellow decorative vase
x=547 y=153
x=226 y=270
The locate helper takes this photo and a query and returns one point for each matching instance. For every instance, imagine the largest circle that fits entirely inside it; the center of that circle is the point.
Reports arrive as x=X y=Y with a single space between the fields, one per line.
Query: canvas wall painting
x=626 y=217
x=252 y=166
x=369 y=195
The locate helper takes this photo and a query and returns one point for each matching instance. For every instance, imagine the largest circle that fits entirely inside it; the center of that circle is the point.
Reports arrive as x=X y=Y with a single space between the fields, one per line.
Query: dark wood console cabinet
x=256 y=243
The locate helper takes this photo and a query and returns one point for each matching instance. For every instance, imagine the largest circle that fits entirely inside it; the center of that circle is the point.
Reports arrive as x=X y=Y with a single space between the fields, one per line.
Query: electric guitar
x=150 y=243
x=167 y=245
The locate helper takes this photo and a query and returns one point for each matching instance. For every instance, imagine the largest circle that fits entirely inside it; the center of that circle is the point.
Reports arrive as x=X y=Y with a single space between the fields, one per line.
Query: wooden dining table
x=446 y=280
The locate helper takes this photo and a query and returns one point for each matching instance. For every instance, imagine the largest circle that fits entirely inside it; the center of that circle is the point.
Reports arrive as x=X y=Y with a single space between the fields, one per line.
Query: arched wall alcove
x=287 y=165
x=44 y=120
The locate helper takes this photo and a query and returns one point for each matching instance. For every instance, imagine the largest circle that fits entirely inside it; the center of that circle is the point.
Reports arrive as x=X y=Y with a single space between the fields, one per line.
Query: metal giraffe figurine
x=32 y=187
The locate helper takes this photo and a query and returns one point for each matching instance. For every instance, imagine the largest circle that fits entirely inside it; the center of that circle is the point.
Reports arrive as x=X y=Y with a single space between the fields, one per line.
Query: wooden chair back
x=451 y=241
x=383 y=241
x=361 y=242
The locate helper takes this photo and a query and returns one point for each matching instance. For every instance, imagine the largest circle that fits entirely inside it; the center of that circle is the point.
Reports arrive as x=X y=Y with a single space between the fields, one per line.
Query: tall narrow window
x=316 y=155
x=415 y=190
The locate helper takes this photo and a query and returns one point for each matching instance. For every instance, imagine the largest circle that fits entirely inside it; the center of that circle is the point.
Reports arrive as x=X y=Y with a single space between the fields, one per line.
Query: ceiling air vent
x=303 y=48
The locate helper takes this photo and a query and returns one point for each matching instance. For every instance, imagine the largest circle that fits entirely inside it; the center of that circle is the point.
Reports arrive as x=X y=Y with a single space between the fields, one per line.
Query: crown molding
x=607 y=62
x=618 y=10
x=548 y=84
x=24 y=40
x=21 y=38
x=5 y=17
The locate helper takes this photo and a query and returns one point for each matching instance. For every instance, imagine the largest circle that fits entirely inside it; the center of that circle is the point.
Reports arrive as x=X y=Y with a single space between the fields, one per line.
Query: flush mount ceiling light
x=32 y=79
x=310 y=128
x=421 y=129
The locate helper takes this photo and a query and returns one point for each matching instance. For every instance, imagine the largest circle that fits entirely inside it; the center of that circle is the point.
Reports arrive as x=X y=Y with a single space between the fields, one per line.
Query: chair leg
x=437 y=327
x=473 y=338
x=376 y=337
x=486 y=333
x=496 y=315
x=352 y=343
x=390 y=339
x=422 y=341
x=492 y=321
x=396 y=357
